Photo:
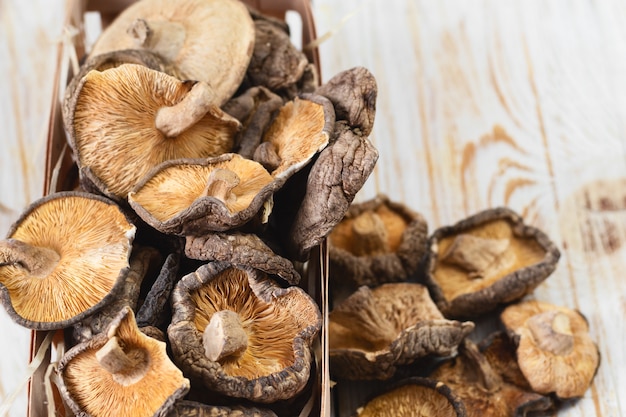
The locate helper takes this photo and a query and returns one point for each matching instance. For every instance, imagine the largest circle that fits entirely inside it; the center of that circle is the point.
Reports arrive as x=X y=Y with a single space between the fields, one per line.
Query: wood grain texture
x=481 y=104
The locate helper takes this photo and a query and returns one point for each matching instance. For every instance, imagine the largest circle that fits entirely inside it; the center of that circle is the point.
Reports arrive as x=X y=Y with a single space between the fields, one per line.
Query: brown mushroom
x=120 y=372
x=482 y=389
x=555 y=351
x=377 y=241
x=241 y=249
x=65 y=257
x=373 y=331
x=123 y=121
x=204 y=40
x=257 y=336
x=188 y=408
x=486 y=260
x=413 y=396
x=203 y=195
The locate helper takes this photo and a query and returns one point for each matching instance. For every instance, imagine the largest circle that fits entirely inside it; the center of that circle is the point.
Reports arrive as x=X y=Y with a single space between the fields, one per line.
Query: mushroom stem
x=552 y=331
x=126 y=367
x=220 y=185
x=475 y=254
x=370 y=235
x=37 y=260
x=162 y=36
x=173 y=120
x=224 y=336
x=487 y=377
x=266 y=154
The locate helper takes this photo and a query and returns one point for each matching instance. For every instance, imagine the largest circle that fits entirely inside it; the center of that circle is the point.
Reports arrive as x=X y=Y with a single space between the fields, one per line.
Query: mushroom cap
x=415 y=396
x=555 y=351
x=397 y=242
x=111 y=127
x=149 y=386
x=485 y=260
x=190 y=209
x=301 y=129
x=205 y=40
x=374 y=330
x=92 y=240
x=188 y=408
x=280 y=324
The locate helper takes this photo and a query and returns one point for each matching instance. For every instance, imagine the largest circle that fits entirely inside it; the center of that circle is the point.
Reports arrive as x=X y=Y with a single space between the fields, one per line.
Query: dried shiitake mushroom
x=124 y=121
x=414 y=396
x=198 y=196
x=554 y=348
x=375 y=330
x=240 y=334
x=204 y=40
x=488 y=259
x=377 y=241
x=65 y=257
x=188 y=408
x=482 y=390
x=120 y=372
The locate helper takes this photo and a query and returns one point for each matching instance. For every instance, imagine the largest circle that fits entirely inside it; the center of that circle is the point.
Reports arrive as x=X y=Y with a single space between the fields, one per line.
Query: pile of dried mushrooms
x=210 y=162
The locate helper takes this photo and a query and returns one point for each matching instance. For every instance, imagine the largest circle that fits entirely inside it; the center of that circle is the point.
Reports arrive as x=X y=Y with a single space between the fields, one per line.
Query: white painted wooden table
x=481 y=104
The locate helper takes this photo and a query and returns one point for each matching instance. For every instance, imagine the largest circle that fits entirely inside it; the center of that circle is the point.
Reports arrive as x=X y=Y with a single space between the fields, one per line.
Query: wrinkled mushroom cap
x=188 y=408
x=279 y=324
x=555 y=351
x=488 y=259
x=120 y=372
x=414 y=397
x=65 y=257
x=378 y=241
x=112 y=126
x=374 y=330
x=197 y=196
x=205 y=40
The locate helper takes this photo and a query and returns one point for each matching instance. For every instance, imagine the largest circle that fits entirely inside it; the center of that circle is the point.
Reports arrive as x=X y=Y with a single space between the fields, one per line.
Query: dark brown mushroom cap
x=204 y=40
x=188 y=408
x=279 y=324
x=374 y=330
x=300 y=130
x=482 y=389
x=353 y=93
x=65 y=257
x=120 y=372
x=241 y=249
x=555 y=351
x=337 y=175
x=488 y=259
x=378 y=241
x=124 y=121
x=198 y=196
x=413 y=396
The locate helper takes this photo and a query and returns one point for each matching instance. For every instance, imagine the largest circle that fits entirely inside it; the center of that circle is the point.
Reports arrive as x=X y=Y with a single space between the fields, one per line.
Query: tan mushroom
x=413 y=396
x=240 y=334
x=374 y=331
x=203 y=195
x=124 y=121
x=555 y=351
x=204 y=40
x=64 y=258
x=120 y=372
x=486 y=260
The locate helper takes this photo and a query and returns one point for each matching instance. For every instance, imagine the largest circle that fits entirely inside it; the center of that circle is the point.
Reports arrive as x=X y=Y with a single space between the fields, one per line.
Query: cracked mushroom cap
x=483 y=390
x=301 y=129
x=204 y=40
x=375 y=330
x=66 y=257
x=554 y=349
x=203 y=195
x=241 y=334
x=124 y=121
x=378 y=241
x=414 y=396
x=120 y=372
x=488 y=259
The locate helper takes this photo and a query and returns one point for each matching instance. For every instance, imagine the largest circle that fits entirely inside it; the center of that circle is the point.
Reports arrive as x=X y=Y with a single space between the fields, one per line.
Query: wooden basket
x=61 y=174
